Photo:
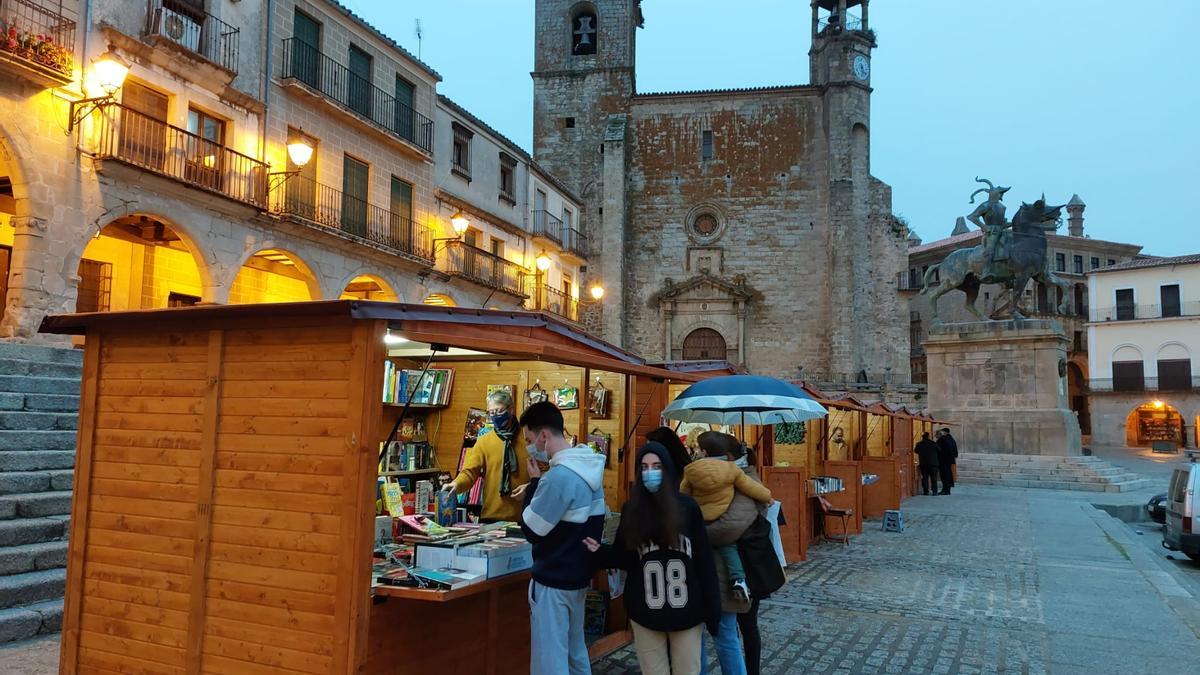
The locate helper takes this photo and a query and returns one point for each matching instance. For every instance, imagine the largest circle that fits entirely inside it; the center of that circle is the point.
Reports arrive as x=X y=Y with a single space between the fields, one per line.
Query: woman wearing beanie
x=671 y=593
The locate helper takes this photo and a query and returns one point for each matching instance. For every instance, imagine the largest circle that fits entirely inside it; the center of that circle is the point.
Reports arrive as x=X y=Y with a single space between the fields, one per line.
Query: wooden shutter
x=360 y=81
x=405 y=95
x=355 y=176
x=401 y=208
x=1125 y=308
x=306 y=49
x=1170 y=300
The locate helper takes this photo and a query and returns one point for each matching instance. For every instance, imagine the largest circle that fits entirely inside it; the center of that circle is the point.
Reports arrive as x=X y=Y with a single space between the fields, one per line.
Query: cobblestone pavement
x=972 y=586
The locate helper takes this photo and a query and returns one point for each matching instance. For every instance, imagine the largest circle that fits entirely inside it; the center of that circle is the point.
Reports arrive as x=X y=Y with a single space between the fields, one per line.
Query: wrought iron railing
x=1133 y=312
x=547 y=225
x=853 y=22
x=41 y=36
x=909 y=281
x=574 y=241
x=304 y=63
x=556 y=302
x=126 y=135
x=1134 y=384
x=305 y=198
x=196 y=31
x=482 y=267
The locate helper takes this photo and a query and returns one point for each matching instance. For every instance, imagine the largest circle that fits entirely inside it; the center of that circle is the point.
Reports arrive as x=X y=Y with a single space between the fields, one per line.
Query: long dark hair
x=675 y=447
x=652 y=517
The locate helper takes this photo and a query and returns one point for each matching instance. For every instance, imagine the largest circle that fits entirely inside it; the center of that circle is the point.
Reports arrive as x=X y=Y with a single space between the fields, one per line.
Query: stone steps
x=30 y=587
x=35 y=505
x=28 y=420
x=16 y=482
x=36 y=460
x=21 y=401
x=1089 y=474
x=10 y=366
x=42 y=555
x=25 y=384
x=26 y=621
x=24 y=439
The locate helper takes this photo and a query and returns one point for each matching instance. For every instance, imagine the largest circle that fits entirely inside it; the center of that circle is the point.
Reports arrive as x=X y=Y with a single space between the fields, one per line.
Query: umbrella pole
x=742 y=431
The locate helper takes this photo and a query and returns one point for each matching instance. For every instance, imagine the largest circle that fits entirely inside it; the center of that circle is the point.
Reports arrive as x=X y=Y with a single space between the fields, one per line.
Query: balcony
x=575 y=243
x=187 y=27
x=1145 y=384
x=1142 y=312
x=910 y=281
x=129 y=137
x=37 y=42
x=303 y=64
x=547 y=226
x=555 y=302
x=482 y=267
x=309 y=201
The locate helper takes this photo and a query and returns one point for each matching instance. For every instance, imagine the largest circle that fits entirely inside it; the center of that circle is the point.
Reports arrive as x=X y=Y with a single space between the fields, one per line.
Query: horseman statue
x=1011 y=254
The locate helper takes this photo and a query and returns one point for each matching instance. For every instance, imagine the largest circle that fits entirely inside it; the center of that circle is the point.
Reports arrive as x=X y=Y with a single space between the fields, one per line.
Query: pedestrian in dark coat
x=947 y=456
x=927 y=462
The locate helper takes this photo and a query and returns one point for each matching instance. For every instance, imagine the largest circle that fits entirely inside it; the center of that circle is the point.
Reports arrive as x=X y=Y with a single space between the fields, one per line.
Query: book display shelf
x=225 y=509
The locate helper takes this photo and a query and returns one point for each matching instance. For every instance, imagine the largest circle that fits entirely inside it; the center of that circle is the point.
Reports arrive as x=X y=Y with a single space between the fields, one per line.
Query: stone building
x=1144 y=334
x=1071 y=255
x=739 y=224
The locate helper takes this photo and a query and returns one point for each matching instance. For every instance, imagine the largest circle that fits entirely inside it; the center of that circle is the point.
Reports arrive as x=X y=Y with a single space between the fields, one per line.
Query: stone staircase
x=39 y=409
x=1088 y=474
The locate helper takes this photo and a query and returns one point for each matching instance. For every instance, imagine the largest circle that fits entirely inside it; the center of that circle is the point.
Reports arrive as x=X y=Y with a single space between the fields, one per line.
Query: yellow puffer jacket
x=712 y=482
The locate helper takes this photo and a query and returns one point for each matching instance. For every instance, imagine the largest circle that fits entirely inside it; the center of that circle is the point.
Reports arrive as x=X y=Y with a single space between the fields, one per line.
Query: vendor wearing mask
x=499 y=456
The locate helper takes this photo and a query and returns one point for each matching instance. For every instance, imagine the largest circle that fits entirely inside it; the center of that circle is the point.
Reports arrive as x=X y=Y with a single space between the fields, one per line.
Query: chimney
x=1075 y=209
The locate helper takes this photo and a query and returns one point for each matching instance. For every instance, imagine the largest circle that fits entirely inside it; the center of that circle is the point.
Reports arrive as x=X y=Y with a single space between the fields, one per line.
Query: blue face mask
x=652 y=479
x=502 y=420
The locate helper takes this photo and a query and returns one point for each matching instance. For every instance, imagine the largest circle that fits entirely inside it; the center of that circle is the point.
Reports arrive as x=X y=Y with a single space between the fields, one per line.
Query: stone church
x=736 y=224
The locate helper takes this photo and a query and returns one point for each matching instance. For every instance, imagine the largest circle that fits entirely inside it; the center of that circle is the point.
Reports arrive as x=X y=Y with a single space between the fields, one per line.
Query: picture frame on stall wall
x=535 y=394
x=599 y=401
x=566 y=398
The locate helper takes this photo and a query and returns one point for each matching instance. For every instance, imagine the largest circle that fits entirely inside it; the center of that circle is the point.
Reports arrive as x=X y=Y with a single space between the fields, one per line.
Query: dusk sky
x=1098 y=98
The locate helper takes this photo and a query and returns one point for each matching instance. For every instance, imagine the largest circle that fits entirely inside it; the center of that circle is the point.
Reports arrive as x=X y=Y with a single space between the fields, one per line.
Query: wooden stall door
x=789 y=486
x=850 y=498
x=883 y=494
x=646 y=403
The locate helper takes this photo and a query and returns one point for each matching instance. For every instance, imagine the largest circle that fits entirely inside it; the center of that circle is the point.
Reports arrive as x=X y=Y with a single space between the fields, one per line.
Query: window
x=462 y=150
x=1060 y=262
x=401 y=208
x=568 y=219
x=1174 y=374
x=508 y=172
x=355 y=178
x=1095 y=263
x=706 y=145
x=583 y=33
x=204 y=149
x=1128 y=376
x=915 y=334
x=1170 y=300
x=360 y=89
x=566 y=284
x=1079 y=342
x=143 y=137
x=306 y=49
x=498 y=247
x=569 y=122
x=1080 y=301
x=182 y=300
x=914 y=280
x=95 y=286
x=1125 y=307
x=1077 y=266
x=405 y=95
x=1111 y=262
x=704 y=344
x=1043 y=299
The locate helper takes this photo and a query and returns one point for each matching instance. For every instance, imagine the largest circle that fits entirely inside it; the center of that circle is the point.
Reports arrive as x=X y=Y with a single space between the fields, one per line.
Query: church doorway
x=704 y=344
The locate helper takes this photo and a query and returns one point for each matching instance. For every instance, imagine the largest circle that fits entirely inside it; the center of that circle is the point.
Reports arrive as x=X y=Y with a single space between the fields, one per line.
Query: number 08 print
x=665 y=587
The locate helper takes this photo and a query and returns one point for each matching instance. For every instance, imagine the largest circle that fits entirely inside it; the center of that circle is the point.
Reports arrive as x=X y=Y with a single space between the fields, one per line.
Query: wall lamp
x=109 y=70
x=300 y=151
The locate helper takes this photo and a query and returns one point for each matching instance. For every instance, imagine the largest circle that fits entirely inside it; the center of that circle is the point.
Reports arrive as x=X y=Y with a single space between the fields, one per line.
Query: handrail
x=1181 y=383
x=38 y=34
x=483 y=267
x=1133 y=312
x=304 y=63
x=195 y=30
x=548 y=225
x=556 y=302
x=574 y=241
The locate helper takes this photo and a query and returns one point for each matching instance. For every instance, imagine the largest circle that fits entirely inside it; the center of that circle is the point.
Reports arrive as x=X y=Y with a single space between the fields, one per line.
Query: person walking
x=947 y=457
x=927 y=463
x=671 y=592
x=562 y=508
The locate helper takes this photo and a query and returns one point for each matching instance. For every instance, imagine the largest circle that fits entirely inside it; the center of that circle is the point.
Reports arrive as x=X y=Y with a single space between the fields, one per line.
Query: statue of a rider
x=989 y=217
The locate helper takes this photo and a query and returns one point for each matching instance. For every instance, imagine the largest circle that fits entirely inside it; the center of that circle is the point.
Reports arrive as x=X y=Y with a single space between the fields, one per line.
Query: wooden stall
x=789 y=486
x=902 y=444
x=222 y=519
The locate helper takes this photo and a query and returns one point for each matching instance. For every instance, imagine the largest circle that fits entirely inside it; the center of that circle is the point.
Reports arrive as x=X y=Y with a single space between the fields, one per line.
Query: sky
x=1095 y=97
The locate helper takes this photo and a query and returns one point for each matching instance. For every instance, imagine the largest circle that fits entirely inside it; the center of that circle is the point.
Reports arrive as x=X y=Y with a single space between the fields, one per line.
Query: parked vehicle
x=1156 y=508
x=1181 y=532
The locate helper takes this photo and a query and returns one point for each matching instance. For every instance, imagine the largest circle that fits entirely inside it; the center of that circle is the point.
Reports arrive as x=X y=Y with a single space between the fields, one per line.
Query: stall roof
x=529 y=333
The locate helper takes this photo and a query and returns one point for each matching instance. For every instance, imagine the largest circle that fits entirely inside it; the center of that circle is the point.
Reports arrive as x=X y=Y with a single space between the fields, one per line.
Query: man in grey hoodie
x=562 y=508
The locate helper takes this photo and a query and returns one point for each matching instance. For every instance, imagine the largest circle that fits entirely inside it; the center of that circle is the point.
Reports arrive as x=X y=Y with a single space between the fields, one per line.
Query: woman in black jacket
x=671 y=591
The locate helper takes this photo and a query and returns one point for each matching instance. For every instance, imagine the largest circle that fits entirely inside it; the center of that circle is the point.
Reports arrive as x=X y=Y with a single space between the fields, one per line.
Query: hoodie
x=668 y=589
x=562 y=508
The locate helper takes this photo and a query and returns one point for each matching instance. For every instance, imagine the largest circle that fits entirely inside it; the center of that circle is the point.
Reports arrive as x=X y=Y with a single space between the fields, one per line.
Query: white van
x=1182 y=529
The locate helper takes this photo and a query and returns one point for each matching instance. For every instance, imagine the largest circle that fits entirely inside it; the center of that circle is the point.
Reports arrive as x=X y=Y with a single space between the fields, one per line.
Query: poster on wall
x=566 y=398
x=535 y=394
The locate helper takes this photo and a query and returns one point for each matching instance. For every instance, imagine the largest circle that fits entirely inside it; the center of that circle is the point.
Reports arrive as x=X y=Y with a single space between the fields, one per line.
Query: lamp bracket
x=84 y=107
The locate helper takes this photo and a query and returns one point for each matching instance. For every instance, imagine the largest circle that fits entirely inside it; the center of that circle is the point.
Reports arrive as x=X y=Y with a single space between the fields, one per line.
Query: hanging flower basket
x=36 y=48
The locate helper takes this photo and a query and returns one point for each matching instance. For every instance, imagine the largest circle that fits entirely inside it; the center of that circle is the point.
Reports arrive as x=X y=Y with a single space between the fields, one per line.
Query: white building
x=1144 y=337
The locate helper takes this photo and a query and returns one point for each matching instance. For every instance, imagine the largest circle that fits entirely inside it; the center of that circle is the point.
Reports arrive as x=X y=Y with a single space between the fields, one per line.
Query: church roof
x=673 y=290
x=1150 y=261
x=734 y=91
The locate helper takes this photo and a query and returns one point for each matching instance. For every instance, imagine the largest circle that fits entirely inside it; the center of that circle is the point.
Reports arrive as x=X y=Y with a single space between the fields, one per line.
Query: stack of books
x=402 y=385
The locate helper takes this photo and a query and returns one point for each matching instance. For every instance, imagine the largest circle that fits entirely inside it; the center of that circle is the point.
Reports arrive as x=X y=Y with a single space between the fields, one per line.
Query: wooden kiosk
x=226 y=477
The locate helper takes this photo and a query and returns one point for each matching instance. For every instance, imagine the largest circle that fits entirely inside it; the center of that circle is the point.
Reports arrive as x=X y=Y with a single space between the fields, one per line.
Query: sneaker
x=741 y=591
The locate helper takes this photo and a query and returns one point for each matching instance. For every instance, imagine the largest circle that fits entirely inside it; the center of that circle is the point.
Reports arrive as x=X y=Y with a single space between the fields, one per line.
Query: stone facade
x=759 y=203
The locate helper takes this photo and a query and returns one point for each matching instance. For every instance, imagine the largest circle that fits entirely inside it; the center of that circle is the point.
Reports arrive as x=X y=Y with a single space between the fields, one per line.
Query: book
x=448 y=578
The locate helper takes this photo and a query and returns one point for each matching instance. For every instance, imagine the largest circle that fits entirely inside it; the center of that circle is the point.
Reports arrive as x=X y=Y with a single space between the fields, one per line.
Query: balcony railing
x=853 y=22
x=1144 y=384
x=38 y=37
x=304 y=63
x=909 y=281
x=128 y=136
x=574 y=241
x=556 y=302
x=1135 y=312
x=483 y=267
x=305 y=198
x=196 y=31
x=547 y=226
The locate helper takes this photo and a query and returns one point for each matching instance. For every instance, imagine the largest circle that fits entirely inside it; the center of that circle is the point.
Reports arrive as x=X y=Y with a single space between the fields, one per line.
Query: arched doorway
x=704 y=344
x=1151 y=422
x=8 y=209
x=138 y=262
x=272 y=275
x=440 y=300
x=1077 y=396
x=368 y=287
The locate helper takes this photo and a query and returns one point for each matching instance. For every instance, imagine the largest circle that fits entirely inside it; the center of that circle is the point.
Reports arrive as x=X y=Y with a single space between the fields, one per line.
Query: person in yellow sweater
x=498 y=456
x=712 y=482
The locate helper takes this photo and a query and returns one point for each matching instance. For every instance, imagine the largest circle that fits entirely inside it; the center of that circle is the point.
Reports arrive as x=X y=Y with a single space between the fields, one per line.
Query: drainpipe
x=266 y=84
x=87 y=31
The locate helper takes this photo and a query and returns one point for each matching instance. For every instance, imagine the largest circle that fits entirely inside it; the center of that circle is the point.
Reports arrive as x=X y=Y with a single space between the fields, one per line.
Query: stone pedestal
x=1003 y=385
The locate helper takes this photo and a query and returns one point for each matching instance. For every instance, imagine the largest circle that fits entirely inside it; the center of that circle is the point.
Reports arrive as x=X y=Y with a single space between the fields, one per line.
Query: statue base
x=1003 y=386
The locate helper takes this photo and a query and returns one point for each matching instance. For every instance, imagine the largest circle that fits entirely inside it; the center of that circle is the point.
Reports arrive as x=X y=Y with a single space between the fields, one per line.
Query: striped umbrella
x=744 y=399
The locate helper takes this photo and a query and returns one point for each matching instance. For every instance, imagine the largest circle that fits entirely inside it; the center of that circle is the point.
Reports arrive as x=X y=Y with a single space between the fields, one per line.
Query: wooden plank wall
x=883 y=494
x=789 y=485
x=849 y=498
x=879 y=435
x=902 y=449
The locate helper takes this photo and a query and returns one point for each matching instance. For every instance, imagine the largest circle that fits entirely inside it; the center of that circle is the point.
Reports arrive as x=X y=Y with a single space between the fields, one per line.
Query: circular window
x=705 y=225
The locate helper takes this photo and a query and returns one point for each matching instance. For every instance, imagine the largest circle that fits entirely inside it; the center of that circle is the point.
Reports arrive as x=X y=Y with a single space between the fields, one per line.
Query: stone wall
x=1110 y=413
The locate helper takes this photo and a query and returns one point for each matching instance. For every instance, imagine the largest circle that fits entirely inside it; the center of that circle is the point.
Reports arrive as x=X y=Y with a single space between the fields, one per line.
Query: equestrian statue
x=1011 y=254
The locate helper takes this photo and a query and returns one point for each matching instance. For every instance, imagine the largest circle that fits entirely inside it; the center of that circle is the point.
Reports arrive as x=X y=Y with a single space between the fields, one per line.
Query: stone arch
x=25 y=298
x=704 y=344
x=240 y=293
x=440 y=300
x=1127 y=352
x=583 y=16
x=1173 y=350
x=1159 y=419
x=364 y=275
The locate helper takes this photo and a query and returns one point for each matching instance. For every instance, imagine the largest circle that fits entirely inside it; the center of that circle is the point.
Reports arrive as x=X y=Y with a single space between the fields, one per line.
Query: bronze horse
x=964 y=269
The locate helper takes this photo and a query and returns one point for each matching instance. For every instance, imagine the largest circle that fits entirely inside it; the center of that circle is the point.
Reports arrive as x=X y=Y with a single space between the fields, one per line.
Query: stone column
x=741 y=315
x=29 y=289
x=667 y=315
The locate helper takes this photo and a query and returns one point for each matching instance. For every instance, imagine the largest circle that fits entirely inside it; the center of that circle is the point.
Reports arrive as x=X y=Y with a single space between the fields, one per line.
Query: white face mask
x=742 y=462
